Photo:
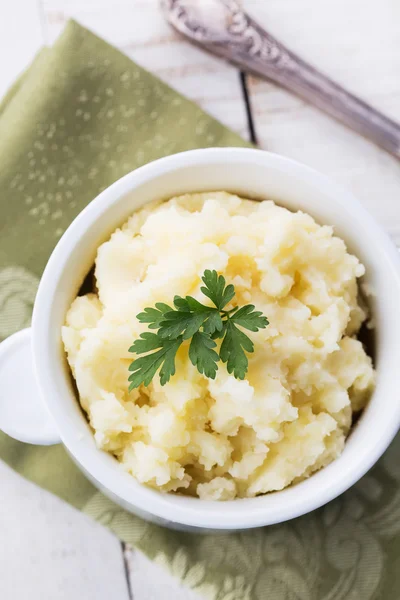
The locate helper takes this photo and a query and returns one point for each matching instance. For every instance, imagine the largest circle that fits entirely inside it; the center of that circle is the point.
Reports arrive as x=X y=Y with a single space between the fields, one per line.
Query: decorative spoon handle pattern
x=223 y=28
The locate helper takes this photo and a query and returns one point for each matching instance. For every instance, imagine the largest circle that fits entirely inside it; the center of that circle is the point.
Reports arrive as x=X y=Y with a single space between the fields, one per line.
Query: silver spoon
x=223 y=28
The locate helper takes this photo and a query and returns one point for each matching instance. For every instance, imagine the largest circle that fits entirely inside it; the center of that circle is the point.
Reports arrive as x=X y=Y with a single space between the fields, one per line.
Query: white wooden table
x=48 y=550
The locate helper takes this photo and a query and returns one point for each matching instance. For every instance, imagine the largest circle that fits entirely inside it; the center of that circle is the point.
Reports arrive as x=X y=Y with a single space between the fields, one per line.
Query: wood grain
x=357 y=44
x=50 y=551
x=149 y=581
x=21 y=36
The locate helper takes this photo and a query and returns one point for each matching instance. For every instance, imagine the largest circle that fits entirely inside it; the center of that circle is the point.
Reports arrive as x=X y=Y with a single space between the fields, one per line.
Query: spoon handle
x=262 y=54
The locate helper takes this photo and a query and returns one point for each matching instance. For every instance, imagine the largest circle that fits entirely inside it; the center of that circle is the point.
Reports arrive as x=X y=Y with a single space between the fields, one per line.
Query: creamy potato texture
x=225 y=438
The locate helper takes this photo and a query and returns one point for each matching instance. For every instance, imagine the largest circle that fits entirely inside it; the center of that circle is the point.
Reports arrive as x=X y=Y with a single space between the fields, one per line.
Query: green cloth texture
x=82 y=116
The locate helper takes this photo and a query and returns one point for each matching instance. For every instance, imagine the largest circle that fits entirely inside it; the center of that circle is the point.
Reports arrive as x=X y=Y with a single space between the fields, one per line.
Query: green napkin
x=78 y=119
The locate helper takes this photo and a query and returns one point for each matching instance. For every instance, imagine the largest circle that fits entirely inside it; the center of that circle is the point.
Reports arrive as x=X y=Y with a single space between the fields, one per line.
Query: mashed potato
x=223 y=438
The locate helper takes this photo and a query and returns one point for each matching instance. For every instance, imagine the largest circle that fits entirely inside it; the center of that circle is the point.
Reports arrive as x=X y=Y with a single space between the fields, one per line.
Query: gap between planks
x=249 y=111
x=125 y=549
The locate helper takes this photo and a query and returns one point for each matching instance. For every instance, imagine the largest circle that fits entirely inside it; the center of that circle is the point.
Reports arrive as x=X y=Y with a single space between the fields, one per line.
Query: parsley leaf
x=202 y=355
x=190 y=319
x=250 y=319
x=215 y=289
x=144 y=368
x=212 y=321
x=179 y=322
x=232 y=350
x=154 y=316
x=187 y=319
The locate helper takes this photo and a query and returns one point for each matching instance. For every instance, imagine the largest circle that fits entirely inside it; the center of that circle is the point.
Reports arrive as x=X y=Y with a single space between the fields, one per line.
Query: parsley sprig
x=202 y=325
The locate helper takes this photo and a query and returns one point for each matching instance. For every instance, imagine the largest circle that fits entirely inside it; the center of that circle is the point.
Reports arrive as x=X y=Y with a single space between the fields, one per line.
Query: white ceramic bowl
x=252 y=173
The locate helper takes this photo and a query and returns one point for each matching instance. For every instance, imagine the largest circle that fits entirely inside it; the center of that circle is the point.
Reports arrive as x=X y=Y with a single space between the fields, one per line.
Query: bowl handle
x=23 y=414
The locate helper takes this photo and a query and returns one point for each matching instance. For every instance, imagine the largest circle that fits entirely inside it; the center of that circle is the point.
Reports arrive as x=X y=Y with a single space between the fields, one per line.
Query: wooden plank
x=149 y=581
x=138 y=28
x=21 y=36
x=356 y=43
x=49 y=550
